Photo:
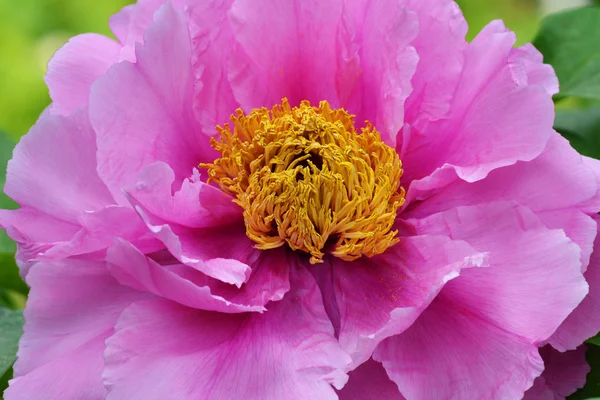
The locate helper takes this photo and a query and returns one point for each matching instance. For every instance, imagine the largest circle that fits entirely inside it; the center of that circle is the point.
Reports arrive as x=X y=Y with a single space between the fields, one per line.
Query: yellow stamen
x=305 y=177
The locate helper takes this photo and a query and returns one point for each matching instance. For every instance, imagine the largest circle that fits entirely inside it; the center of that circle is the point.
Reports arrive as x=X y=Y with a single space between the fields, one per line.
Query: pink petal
x=180 y=283
x=382 y=296
x=221 y=252
x=441 y=41
x=534 y=280
x=563 y=374
x=450 y=354
x=532 y=184
x=287 y=49
x=584 y=322
x=370 y=382
x=73 y=69
x=58 y=152
x=162 y=350
x=142 y=112
x=72 y=307
x=479 y=338
x=212 y=44
x=495 y=112
x=130 y=24
x=384 y=31
x=538 y=74
x=194 y=205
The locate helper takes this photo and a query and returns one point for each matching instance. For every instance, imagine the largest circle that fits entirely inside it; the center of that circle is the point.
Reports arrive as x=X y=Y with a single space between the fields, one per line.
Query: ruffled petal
x=285 y=50
x=269 y=281
x=534 y=280
x=497 y=117
x=479 y=338
x=563 y=374
x=370 y=382
x=379 y=297
x=440 y=41
x=584 y=321
x=72 y=308
x=143 y=113
x=75 y=67
x=212 y=44
x=383 y=31
x=450 y=353
x=162 y=350
x=532 y=184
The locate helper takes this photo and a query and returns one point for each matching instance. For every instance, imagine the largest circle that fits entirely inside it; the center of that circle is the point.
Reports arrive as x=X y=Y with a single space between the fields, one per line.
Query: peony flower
x=300 y=200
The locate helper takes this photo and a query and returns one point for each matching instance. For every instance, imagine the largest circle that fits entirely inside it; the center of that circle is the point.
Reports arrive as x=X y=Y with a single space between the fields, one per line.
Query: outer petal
x=584 y=321
x=563 y=374
x=81 y=217
x=384 y=31
x=370 y=382
x=532 y=184
x=441 y=41
x=72 y=307
x=383 y=296
x=269 y=281
x=450 y=354
x=58 y=152
x=142 y=112
x=495 y=112
x=287 y=353
x=73 y=69
x=479 y=338
x=212 y=45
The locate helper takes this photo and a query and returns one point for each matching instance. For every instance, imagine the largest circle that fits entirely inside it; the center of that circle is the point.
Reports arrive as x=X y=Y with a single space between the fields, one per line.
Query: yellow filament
x=305 y=177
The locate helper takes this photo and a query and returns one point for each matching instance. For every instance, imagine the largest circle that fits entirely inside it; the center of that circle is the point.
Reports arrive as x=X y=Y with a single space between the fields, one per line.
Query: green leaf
x=9 y=273
x=592 y=387
x=582 y=128
x=569 y=42
x=4 y=380
x=11 y=326
x=595 y=340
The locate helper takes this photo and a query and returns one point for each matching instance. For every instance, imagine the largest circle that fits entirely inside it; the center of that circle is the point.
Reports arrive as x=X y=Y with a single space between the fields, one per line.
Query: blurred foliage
x=569 y=42
x=521 y=16
x=30 y=32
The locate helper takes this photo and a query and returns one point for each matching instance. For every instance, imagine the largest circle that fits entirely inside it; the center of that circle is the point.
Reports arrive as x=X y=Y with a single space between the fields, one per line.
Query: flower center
x=305 y=177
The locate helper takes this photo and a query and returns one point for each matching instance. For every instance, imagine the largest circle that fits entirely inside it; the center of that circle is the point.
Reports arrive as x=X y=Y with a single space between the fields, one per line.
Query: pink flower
x=429 y=255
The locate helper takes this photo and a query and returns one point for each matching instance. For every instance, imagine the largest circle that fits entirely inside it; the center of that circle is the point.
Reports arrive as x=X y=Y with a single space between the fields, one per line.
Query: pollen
x=305 y=177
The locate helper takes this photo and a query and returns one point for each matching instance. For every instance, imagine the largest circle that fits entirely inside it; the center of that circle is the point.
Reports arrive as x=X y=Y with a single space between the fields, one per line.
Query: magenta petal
x=162 y=350
x=74 y=68
x=534 y=280
x=450 y=354
x=479 y=338
x=563 y=374
x=286 y=50
x=195 y=204
x=58 y=152
x=212 y=44
x=180 y=283
x=584 y=321
x=370 y=382
x=493 y=87
x=440 y=41
x=142 y=112
x=72 y=307
x=382 y=296
x=384 y=31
